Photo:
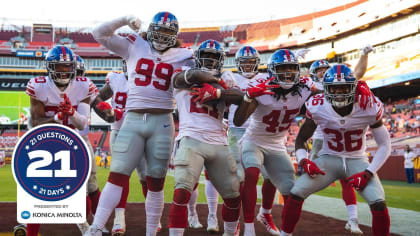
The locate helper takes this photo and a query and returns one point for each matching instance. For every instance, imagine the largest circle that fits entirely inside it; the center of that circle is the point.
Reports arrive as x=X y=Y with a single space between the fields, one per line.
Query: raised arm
x=189 y=77
x=104 y=34
x=361 y=67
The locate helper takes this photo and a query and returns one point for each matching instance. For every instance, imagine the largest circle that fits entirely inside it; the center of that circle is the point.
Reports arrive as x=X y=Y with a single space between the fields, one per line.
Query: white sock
x=212 y=197
x=110 y=197
x=119 y=216
x=230 y=227
x=264 y=211
x=352 y=210
x=249 y=228
x=282 y=233
x=176 y=231
x=193 y=203
x=154 y=206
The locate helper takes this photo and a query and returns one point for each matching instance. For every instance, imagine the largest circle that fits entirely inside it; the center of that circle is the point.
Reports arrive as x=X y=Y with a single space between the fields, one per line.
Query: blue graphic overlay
x=51 y=162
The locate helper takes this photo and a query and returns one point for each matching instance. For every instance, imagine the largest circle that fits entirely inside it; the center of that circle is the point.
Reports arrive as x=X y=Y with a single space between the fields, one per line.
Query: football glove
x=310 y=168
x=118 y=114
x=65 y=106
x=261 y=89
x=133 y=22
x=205 y=93
x=103 y=106
x=364 y=95
x=359 y=180
x=366 y=49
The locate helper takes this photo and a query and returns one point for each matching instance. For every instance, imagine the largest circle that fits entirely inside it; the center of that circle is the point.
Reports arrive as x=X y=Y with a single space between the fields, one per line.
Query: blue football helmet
x=247 y=60
x=163 y=31
x=315 y=66
x=339 y=85
x=284 y=67
x=61 y=64
x=80 y=66
x=210 y=56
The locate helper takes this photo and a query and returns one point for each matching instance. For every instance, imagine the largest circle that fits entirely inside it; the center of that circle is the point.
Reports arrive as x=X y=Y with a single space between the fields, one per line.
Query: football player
x=344 y=125
x=317 y=71
x=63 y=98
x=148 y=126
x=264 y=140
x=116 y=87
x=247 y=61
x=201 y=137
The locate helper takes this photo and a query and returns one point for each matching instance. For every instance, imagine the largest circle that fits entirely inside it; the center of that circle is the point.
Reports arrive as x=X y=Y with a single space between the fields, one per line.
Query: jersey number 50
x=146 y=67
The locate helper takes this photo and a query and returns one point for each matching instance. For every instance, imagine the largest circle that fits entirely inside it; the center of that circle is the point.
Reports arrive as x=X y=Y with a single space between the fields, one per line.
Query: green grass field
x=12 y=103
x=398 y=194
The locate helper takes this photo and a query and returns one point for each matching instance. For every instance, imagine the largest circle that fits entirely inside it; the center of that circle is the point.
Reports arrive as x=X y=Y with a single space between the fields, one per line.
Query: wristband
x=247 y=99
x=301 y=154
x=57 y=119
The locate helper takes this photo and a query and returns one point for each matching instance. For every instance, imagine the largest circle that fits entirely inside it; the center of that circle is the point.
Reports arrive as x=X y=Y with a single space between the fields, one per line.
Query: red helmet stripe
x=63 y=50
x=211 y=43
x=247 y=50
x=338 y=72
x=322 y=62
x=287 y=54
x=165 y=17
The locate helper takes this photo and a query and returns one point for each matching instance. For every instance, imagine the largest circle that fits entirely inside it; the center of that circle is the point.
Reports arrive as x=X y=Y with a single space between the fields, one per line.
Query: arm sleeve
x=80 y=117
x=104 y=34
x=383 y=140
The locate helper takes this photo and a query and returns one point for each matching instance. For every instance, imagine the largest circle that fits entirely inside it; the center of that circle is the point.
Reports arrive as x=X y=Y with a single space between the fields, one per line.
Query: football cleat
x=267 y=221
x=83 y=227
x=212 y=224
x=19 y=230
x=353 y=226
x=93 y=231
x=193 y=222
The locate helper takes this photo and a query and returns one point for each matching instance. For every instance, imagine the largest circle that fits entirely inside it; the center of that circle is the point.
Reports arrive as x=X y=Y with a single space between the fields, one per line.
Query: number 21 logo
x=33 y=169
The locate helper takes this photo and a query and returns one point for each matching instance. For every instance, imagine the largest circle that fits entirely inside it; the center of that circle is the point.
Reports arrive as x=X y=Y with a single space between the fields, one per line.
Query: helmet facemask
x=285 y=74
x=247 y=66
x=61 y=72
x=80 y=69
x=161 y=37
x=340 y=94
x=210 y=60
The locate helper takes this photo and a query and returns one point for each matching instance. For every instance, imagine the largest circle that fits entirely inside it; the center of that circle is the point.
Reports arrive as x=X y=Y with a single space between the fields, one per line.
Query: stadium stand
x=335 y=34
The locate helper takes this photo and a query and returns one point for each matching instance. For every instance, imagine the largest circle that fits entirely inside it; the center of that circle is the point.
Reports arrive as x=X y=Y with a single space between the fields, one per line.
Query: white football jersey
x=150 y=74
x=44 y=90
x=318 y=132
x=270 y=122
x=343 y=136
x=202 y=122
x=243 y=83
x=119 y=85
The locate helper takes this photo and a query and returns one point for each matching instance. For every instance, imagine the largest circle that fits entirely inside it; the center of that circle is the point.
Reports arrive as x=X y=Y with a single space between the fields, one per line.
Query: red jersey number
x=318 y=99
x=146 y=67
x=120 y=99
x=352 y=140
x=203 y=109
x=272 y=120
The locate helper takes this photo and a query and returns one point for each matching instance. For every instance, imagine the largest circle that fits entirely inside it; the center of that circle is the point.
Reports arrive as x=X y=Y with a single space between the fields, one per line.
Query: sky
x=88 y=13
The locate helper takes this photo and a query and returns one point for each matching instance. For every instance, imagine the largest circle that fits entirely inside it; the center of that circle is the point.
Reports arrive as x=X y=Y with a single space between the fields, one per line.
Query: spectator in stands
x=408 y=164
